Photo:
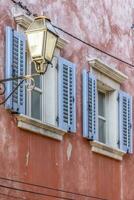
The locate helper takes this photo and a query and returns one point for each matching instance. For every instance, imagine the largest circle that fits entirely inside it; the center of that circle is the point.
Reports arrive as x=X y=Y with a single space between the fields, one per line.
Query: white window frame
x=48 y=126
x=108 y=81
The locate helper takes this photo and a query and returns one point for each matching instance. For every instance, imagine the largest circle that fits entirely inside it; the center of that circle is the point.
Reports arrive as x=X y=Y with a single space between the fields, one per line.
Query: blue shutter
x=67 y=95
x=89 y=91
x=15 y=66
x=85 y=103
x=125 y=121
x=8 y=66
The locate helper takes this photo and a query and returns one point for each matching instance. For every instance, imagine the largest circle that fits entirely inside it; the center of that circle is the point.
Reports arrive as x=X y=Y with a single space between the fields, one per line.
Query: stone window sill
x=106 y=150
x=38 y=127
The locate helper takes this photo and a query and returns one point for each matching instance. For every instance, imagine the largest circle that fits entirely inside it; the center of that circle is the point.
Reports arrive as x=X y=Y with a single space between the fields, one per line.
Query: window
x=53 y=100
x=107 y=111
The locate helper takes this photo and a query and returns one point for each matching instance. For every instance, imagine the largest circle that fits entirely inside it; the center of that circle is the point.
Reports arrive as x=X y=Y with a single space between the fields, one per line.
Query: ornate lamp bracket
x=30 y=85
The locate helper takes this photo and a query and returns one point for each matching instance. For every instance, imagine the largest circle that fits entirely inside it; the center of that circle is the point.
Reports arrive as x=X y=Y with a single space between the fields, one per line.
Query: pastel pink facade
x=70 y=165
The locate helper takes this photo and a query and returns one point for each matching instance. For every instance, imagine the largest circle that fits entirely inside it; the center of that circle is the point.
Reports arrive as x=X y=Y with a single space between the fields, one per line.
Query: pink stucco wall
x=28 y=157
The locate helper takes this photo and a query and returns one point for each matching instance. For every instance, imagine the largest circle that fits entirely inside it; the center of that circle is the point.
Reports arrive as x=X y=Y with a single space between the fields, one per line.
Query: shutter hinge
x=57 y=119
x=57 y=66
x=118 y=142
x=69 y=130
x=91 y=138
x=13 y=72
x=118 y=98
x=130 y=125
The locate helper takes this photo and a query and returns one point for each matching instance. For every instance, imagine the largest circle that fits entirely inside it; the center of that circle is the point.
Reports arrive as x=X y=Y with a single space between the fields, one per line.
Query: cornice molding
x=103 y=68
x=24 y=21
x=62 y=43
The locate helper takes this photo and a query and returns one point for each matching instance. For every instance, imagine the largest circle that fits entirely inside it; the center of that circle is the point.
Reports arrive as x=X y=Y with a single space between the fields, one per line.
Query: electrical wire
x=20 y=4
x=8 y=195
x=36 y=193
x=50 y=188
x=94 y=47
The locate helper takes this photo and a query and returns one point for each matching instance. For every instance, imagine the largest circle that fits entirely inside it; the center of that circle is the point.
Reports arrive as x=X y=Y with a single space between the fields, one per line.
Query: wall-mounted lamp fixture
x=42 y=38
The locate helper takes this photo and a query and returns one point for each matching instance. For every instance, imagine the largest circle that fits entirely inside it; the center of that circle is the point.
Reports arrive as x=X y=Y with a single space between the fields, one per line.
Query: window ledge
x=37 y=126
x=106 y=150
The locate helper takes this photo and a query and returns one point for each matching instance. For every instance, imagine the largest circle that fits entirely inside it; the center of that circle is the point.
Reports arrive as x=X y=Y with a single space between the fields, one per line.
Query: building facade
x=89 y=156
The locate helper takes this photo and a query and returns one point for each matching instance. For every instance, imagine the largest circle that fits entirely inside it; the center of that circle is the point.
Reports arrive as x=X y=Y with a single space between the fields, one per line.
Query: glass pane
x=35 y=41
x=50 y=45
x=36 y=78
x=101 y=104
x=36 y=105
x=102 y=132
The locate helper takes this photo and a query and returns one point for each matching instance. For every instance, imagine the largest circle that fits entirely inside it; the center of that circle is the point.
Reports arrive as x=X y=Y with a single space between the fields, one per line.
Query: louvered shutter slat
x=89 y=105
x=15 y=66
x=125 y=121
x=66 y=91
x=92 y=88
x=21 y=91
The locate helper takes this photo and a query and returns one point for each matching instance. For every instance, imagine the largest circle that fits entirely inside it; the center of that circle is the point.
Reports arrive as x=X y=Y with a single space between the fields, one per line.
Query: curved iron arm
x=22 y=78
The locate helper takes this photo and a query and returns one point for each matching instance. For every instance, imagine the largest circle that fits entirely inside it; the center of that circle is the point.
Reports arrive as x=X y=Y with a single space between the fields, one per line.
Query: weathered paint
x=70 y=165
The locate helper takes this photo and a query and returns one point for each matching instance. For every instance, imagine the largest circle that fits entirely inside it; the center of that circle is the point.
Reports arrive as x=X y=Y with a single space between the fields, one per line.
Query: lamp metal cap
x=43 y=17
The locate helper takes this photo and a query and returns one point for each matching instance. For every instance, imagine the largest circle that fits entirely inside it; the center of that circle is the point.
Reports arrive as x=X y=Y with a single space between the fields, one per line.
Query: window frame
x=44 y=90
x=108 y=80
x=105 y=82
x=26 y=122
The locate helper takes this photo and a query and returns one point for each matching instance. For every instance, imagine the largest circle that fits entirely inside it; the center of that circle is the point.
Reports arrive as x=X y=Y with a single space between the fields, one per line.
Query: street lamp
x=42 y=38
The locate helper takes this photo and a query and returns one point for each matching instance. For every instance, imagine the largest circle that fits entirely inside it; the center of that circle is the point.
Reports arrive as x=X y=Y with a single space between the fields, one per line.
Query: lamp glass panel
x=50 y=45
x=35 y=42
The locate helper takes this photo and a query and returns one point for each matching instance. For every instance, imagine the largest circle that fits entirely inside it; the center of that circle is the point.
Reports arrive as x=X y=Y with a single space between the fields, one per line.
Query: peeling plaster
x=69 y=151
x=27 y=158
